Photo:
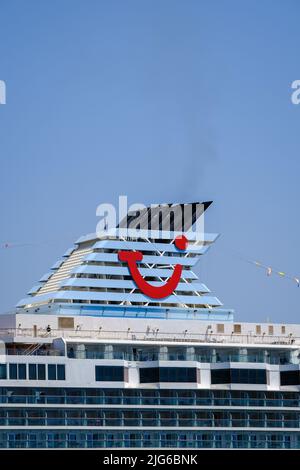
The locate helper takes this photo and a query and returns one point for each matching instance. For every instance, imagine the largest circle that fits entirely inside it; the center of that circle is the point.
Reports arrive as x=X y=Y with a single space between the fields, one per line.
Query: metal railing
x=184 y=337
x=38 y=352
x=144 y=422
x=41 y=399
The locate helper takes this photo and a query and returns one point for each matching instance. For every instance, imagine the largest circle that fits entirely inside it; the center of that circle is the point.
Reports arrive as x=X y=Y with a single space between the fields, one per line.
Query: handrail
x=212 y=338
x=38 y=352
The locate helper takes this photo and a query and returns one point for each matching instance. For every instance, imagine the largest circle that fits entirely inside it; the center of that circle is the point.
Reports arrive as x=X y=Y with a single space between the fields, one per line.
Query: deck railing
x=184 y=337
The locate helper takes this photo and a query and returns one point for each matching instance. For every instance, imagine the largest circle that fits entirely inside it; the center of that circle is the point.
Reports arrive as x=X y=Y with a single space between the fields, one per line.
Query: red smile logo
x=160 y=292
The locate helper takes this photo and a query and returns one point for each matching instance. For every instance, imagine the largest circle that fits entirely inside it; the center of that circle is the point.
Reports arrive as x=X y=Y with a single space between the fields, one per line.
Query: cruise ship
x=121 y=345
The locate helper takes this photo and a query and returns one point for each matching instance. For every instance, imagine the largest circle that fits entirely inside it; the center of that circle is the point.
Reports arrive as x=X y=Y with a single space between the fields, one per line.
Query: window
x=13 y=371
x=220 y=328
x=21 y=371
x=61 y=374
x=17 y=371
x=32 y=372
x=290 y=377
x=238 y=376
x=168 y=374
x=283 y=330
x=51 y=372
x=258 y=329
x=270 y=329
x=220 y=376
x=37 y=372
x=3 y=371
x=237 y=328
x=41 y=372
x=149 y=375
x=56 y=372
x=248 y=376
x=177 y=374
x=109 y=374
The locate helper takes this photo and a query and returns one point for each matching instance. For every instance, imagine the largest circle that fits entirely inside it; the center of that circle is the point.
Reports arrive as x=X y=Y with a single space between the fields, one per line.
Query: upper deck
x=44 y=328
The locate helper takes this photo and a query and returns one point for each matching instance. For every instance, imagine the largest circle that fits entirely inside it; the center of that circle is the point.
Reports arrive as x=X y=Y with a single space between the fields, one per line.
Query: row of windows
x=179 y=353
x=34 y=372
x=183 y=439
x=142 y=417
x=148 y=375
x=183 y=374
x=148 y=397
x=238 y=376
x=192 y=374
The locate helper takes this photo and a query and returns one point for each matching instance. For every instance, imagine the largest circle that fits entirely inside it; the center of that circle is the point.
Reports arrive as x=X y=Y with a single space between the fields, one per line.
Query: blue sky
x=162 y=101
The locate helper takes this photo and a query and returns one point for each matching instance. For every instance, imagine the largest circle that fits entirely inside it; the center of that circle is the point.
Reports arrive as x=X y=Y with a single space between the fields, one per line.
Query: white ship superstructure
x=88 y=360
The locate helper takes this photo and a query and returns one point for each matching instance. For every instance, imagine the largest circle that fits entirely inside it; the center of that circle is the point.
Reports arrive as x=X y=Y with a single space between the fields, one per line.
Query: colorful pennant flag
x=270 y=271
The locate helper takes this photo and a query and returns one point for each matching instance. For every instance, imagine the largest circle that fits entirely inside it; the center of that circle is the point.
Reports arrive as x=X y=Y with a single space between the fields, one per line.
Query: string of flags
x=270 y=270
x=7 y=245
